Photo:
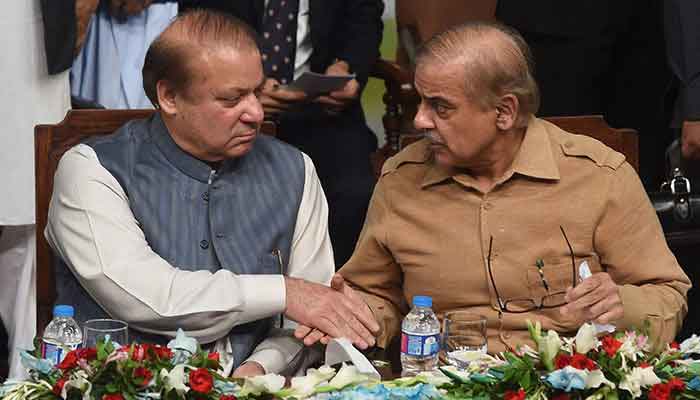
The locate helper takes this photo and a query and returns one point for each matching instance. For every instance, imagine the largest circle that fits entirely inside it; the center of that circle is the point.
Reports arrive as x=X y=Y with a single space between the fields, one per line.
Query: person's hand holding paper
x=338 y=99
x=277 y=99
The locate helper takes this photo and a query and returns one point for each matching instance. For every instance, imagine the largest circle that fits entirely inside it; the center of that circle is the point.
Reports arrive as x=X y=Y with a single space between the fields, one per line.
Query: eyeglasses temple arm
x=493 y=282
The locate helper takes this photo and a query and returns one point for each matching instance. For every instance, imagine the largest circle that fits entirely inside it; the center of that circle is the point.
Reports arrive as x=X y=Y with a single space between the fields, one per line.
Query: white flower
x=348 y=375
x=79 y=381
x=596 y=378
x=548 y=347
x=637 y=379
x=691 y=345
x=256 y=385
x=586 y=339
x=304 y=386
x=175 y=379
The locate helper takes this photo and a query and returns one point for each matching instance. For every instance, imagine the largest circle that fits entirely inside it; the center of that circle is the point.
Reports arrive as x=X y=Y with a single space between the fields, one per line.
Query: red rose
x=580 y=361
x=513 y=395
x=113 y=396
x=562 y=360
x=87 y=353
x=140 y=352
x=58 y=387
x=674 y=345
x=660 y=391
x=227 y=397
x=144 y=373
x=676 y=384
x=611 y=345
x=213 y=356
x=70 y=361
x=201 y=380
x=561 y=396
x=162 y=352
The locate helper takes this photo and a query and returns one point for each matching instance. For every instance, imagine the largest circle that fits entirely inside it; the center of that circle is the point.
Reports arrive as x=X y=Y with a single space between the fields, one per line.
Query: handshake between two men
x=323 y=312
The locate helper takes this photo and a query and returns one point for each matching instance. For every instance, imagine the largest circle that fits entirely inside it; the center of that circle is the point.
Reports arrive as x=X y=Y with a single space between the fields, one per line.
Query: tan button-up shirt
x=428 y=229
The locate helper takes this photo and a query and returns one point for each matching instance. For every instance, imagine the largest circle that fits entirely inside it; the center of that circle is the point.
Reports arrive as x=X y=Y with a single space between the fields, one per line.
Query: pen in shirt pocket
x=278 y=255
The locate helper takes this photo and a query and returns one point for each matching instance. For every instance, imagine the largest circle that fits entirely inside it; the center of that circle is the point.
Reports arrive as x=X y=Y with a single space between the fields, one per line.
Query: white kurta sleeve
x=92 y=227
x=311 y=258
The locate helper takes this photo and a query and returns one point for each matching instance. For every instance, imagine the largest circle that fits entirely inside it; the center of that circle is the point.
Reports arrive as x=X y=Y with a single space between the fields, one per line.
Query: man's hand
x=595 y=299
x=248 y=368
x=277 y=100
x=691 y=140
x=337 y=311
x=336 y=101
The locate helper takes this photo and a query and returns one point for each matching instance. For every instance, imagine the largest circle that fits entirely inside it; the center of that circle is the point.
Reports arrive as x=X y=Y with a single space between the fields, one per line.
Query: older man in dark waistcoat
x=191 y=220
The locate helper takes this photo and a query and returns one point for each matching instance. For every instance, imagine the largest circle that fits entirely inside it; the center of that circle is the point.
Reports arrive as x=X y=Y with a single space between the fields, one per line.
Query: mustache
x=433 y=137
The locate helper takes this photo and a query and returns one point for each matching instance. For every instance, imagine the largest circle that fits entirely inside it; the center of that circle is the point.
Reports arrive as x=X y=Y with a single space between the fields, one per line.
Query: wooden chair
x=50 y=142
x=624 y=140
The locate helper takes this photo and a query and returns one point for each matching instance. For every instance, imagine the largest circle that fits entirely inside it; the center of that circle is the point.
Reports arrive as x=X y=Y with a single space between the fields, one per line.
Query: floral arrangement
x=182 y=370
x=614 y=366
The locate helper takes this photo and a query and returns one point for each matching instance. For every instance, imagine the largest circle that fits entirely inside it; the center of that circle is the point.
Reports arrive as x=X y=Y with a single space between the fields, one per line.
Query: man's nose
x=254 y=112
x=421 y=121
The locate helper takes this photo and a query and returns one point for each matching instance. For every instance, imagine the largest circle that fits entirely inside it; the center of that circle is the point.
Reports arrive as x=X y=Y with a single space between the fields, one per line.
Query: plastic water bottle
x=61 y=336
x=420 y=338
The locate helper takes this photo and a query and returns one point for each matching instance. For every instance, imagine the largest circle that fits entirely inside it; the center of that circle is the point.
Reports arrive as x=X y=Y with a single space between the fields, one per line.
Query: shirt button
x=488 y=206
x=219 y=235
x=204 y=244
x=205 y=196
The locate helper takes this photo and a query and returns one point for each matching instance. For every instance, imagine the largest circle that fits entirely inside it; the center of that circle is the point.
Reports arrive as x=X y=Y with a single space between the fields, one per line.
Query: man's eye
x=441 y=109
x=230 y=100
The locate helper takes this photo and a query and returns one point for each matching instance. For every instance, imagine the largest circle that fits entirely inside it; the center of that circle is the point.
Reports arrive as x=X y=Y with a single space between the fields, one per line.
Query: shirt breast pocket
x=555 y=276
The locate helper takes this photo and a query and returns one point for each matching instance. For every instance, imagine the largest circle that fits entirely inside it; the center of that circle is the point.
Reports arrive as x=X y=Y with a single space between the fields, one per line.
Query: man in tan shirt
x=495 y=210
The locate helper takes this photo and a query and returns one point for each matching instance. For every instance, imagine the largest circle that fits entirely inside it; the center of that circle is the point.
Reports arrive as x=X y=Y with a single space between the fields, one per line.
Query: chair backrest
x=624 y=140
x=50 y=142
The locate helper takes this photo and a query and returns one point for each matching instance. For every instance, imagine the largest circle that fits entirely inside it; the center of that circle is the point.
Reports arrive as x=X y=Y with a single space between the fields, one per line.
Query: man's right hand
x=690 y=140
x=276 y=99
x=331 y=311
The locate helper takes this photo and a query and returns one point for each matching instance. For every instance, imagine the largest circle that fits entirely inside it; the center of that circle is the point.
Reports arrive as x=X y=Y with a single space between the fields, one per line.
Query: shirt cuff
x=264 y=295
x=633 y=308
x=271 y=360
x=277 y=352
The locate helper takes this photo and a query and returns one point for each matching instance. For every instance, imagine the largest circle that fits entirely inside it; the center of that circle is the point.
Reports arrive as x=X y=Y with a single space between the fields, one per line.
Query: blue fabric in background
x=108 y=68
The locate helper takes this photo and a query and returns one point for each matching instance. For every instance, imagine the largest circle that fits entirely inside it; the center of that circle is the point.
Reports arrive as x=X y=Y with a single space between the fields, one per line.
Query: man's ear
x=507 y=112
x=166 y=97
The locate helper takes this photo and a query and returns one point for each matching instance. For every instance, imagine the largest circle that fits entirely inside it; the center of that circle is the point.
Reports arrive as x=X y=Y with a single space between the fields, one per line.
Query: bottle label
x=55 y=353
x=420 y=345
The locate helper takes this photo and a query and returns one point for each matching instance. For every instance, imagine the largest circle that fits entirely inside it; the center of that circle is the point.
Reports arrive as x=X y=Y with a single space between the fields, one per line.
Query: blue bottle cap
x=62 y=310
x=422 y=301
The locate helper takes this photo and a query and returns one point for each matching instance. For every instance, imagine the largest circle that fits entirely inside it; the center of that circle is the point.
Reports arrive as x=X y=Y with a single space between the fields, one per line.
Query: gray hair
x=496 y=61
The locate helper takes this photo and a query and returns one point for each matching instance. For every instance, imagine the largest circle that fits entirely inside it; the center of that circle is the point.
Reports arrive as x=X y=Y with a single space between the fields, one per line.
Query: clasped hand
x=324 y=312
x=595 y=299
